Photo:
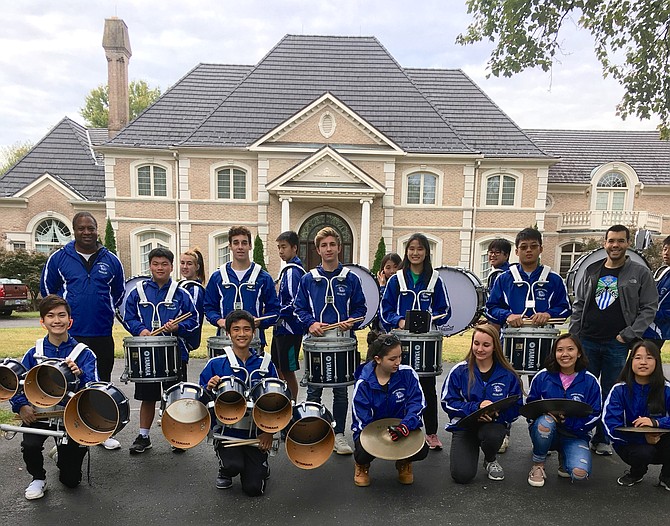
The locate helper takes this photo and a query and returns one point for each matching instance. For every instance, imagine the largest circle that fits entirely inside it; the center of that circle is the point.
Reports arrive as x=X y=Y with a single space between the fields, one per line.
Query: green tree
x=379 y=255
x=10 y=155
x=96 y=105
x=110 y=238
x=259 y=256
x=26 y=266
x=631 y=41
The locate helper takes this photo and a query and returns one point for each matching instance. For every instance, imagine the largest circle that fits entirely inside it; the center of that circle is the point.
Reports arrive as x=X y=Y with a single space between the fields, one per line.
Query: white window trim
x=632 y=182
x=211 y=244
x=213 y=190
x=36 y=220
x=559 y=252
x=134 y=189
x=423 y=169
x=518 y=188
x=135 y=263
x=435 y=256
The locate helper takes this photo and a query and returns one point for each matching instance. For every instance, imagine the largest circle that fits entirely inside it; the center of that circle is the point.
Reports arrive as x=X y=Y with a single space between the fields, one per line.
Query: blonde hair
x=327 y=232
x=498 y=355
x=200 y=263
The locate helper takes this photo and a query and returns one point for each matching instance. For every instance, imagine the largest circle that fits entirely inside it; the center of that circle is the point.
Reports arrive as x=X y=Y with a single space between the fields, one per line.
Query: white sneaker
x=36 y=489
x=504 y=445
x=111 y=443
x=341 y=445
x=53 y=454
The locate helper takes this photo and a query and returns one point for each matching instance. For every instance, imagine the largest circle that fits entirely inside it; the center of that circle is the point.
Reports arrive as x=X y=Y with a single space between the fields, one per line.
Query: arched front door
x=308 y=231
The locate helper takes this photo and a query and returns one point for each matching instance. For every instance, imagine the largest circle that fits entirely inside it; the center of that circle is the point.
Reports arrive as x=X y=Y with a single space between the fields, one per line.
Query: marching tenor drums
x=152 y=358
x=422 y=351
x=49 y=383
x=467 y=298
x=11 y=374
x=330 y=361
x=186 y=420
x=217 y=344
x=272 y=405
x=310 y=440
x=527 y=348
x=230 y=403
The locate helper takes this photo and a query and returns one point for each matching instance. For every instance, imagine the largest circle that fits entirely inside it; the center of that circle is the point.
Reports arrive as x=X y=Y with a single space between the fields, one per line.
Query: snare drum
x=152 y=358
x=330 y=362
x=527 y=348
x=422 y=352
x=467 y=298
x=217 y=344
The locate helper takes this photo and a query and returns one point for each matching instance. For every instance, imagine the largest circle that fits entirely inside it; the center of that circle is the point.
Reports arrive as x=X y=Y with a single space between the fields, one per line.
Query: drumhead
x=466 y=299
x=129 y=286
x=578 y=268
x=370 y=291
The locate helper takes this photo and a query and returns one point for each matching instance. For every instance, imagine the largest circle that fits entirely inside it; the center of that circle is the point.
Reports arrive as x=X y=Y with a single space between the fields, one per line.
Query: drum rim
x=376 y=282
x=480 y=295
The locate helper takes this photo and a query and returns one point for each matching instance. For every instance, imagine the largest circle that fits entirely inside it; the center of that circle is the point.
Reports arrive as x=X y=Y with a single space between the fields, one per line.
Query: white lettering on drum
x=328 y=373
x=147 y=363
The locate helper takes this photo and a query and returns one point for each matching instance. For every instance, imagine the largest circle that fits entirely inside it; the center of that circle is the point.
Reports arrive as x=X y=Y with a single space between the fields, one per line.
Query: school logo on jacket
x=541 y=294
x=577 y=397
x=103 y=268
x=399 y=396
x=341 y=290
x=498 y=389
x=425 y=295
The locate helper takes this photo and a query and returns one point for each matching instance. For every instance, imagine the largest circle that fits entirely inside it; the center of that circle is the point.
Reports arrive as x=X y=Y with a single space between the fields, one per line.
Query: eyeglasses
x=494 y=252
x=389 y=340
x=534 y=246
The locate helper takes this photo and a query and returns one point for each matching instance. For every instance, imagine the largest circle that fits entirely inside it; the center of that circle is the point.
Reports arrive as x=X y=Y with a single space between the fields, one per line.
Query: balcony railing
x=603 y=219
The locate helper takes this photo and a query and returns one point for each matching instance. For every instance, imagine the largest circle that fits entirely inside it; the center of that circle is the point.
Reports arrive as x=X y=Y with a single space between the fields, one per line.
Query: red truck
x=13 y=294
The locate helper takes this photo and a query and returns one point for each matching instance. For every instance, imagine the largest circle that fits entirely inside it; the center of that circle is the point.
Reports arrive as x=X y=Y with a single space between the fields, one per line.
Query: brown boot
x=405 y=475
x=361 y=475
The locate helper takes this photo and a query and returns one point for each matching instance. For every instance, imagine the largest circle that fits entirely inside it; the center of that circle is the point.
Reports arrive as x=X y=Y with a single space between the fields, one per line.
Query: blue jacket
x=403 y=399
x=395 y=303
x=220 y=366
x=93 y=296
x=198 y=299
x=660 y=327
x=458 y=402
x=288 y=288
x=310 y=302
x=258 y=300
x=507 y=297
x=139 y=316
x=622 y=407
x=584 y=388
x=86 y=362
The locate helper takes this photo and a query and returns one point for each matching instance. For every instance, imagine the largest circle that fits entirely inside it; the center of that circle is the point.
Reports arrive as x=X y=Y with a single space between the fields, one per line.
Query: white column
x=364 y=258
x=285 y=213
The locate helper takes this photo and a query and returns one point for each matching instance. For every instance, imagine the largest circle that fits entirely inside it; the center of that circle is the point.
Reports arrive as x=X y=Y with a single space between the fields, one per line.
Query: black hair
x=393 y=257
x=380 y=345
x=51 y=302
x=427 y=272
x=528 y=234
x=290 y=237
x=79 y=215
x=239 y=231
x=161 y=252
x=238 y=315
x=502 y=245
x=656 y=398
x=618 y=228
x=666 y=241
x=582 y=360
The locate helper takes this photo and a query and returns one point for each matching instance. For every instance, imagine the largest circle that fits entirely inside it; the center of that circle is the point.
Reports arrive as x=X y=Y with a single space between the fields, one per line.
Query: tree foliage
x=26 y=266
x=379 y=255
x=96 y=105
x=631 y=41
x=259 y=256
x=110 y=238
x=13 y=154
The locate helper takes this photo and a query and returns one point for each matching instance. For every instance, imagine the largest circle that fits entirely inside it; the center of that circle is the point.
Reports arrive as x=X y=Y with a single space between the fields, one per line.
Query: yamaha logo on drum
x=147 y=362
x=328 y=373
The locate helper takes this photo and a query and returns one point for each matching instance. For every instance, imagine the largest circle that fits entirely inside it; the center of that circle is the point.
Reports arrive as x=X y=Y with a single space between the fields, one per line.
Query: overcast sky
x=51 y=53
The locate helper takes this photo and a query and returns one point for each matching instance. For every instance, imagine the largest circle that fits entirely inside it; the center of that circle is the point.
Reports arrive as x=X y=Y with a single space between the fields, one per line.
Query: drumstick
x=178 y=319
x=250 y=442
x=438 y=317
x=556 y=321
x=267 y=317
x=336 y=325
x=44 y=415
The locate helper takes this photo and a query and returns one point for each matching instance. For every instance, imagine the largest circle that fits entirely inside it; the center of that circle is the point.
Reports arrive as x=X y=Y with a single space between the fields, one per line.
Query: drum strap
x=78 y=349
x=546 y=269
x=251 y=282
x=289 y=266
x=265 y=364
x=74 y=353
x=429 y=289
x=330 y=293
x=232 y=359
x=661 y=272
x=39 y=349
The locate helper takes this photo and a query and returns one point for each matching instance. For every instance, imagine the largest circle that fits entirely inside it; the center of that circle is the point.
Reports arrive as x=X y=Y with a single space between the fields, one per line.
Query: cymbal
x=500 y=405
x=642 y=429
x=377 y=441
x=566 y=406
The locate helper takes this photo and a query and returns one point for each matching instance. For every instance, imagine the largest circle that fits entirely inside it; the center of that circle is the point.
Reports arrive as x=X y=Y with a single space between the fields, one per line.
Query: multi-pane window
x=231 y=183
x=611 y=192
x=569 y=254
x=421 y=189
x=50 y=234
x=500 y=190
x=222 y=250
x=152 y=181
x=147 y=242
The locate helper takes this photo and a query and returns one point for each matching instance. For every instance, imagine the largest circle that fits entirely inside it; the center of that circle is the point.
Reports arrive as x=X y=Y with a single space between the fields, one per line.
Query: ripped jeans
x=573 y=452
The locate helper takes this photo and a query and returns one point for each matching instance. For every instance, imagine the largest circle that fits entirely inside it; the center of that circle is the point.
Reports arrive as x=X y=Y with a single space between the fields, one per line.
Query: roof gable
x=44 y=181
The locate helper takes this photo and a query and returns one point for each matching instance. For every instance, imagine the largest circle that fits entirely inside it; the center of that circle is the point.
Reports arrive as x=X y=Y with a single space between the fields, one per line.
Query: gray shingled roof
x=175 y=115
x=583 y=151
x=475 y=117
x=65 y=153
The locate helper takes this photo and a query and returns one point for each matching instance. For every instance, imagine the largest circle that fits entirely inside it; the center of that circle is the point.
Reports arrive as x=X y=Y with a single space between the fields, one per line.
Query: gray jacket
x=637 y=293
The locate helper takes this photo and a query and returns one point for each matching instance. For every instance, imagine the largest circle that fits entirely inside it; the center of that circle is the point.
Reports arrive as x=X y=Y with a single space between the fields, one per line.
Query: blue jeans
x=340 y=404
x=574 y=451
x=606 y=360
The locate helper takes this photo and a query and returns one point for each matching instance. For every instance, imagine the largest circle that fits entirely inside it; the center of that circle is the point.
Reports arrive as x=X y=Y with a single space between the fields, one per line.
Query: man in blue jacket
x=152 y=304
x=330 y=294
x=241 y=284
x=90 y=278
x=659 y=330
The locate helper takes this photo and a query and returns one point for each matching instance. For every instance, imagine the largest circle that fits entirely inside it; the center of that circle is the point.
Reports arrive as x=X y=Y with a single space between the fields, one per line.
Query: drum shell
x=422 y=352
x=230 y=412
x=272 y=405
x=185 y=421
x=152 y=358
x=467 y=298
x=310 y=439
x=11 y=373
x=330 y=362
x=217 y=344
x=46 y=394
x=527 y=348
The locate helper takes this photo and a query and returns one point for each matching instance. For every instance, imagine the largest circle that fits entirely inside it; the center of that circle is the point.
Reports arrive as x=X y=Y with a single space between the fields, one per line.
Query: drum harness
x=660 y=273
x=155 y=317
x=530 y=294
x=329 y=298
x=283 y=271
x=430 y=288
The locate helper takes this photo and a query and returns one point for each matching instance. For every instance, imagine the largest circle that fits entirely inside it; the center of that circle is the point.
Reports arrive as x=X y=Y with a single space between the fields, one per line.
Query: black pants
x=430 y=413
x=70 y=457
x=639 y=456
x=362 y=457
x=249 y=462
x=103 y=348
x=465 y=444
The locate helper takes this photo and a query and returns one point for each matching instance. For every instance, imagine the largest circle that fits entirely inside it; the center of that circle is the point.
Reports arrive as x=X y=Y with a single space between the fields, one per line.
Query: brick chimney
x=116 y=44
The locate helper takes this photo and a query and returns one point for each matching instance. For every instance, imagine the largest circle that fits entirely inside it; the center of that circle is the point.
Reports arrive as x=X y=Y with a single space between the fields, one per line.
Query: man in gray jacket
x=615 y=302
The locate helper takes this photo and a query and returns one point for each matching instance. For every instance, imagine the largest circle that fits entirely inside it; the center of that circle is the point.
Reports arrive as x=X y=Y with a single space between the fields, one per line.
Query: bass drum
x=467 y=299
x=578 y=268
x=129 y=286
x=370 y=291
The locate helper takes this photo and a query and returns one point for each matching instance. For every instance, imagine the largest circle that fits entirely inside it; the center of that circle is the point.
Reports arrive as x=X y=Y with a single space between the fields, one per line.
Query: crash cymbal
x=642 y=429
x=564 y=406
x=377 y=441
x=500 y=405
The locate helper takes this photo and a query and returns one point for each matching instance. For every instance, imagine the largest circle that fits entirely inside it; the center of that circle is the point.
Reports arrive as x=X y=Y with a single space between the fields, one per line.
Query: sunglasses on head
x=389 y=340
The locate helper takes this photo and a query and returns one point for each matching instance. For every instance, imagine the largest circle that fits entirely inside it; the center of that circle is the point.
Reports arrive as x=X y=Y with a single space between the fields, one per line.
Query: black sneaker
x=223 y=481
x=628 y=479
x=140 y=445
x=664 y=481
x=177 y=449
